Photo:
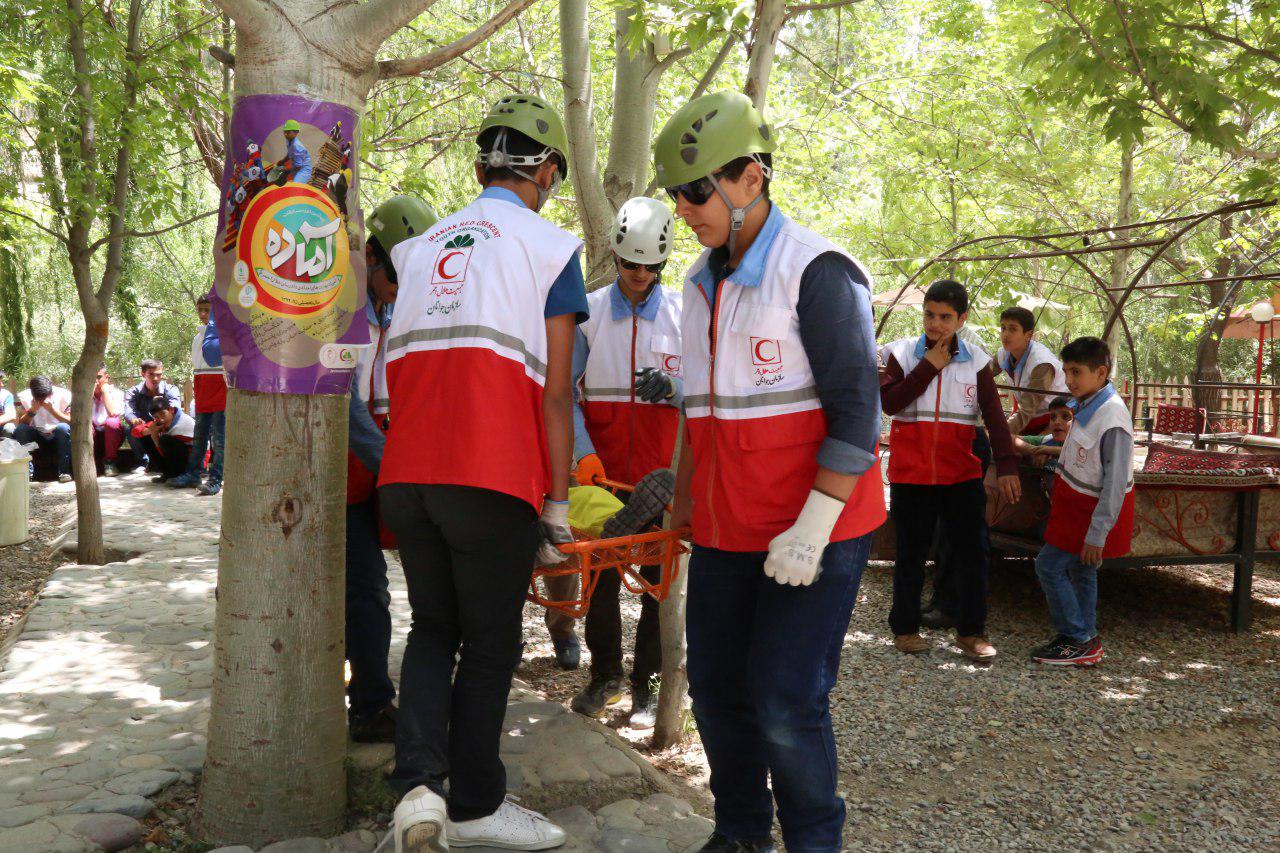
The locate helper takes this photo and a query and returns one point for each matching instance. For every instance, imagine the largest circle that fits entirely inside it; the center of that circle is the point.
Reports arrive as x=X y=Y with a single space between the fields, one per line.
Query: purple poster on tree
x=289 y=277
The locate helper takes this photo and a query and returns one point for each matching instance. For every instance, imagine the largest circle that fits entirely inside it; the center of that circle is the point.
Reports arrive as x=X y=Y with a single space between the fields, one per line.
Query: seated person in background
x=1043 y=450
x=170 y=430
x=137 y=411
x=108 y=404
x=1091 y=514
x=1029 y=364
x=8 y=409
x=46 y=419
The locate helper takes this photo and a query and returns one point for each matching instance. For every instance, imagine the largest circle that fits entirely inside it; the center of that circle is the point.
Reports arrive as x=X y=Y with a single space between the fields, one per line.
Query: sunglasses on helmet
x=698 y=192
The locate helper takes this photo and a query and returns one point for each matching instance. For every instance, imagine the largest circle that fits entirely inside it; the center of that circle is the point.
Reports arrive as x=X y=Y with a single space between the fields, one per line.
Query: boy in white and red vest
x=371 y=712
x=626 y=370
x=474 y=481
x=1091 y=515
x=938 y=388
x=211 y=416
x=1031 y=365
x=778 y=476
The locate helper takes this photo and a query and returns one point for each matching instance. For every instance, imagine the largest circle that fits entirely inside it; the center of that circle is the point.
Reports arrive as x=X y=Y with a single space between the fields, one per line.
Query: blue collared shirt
x=301 y=159
x=838 y=335
x=568 y=293
x=963 y=352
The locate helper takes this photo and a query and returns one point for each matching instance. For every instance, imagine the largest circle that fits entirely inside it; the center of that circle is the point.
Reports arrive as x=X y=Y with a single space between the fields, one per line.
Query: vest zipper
x=631 y=410
x=937 y=406
x=711 y=478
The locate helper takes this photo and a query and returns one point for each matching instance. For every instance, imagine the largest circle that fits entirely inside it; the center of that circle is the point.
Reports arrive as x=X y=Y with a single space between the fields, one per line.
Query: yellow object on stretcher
x=590 y=507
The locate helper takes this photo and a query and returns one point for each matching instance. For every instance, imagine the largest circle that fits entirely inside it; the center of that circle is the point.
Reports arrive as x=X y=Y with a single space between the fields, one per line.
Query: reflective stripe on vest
x=467 y=349
x=755 y=421
x=632 y=437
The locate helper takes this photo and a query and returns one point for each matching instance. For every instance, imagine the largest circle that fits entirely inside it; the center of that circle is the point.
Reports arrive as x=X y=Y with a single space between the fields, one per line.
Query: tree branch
x=714 y=68
x=374 y=22
x=116 y=235
x=802 y=8
x=389 y=68
x=221 y=54
x=770 y=18
x=246 y=13
x=54 y=234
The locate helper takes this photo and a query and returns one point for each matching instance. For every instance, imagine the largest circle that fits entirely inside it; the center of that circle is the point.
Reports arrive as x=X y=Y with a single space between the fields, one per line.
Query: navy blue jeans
x=368 y=614
x=211 y=428
x=763 y=659
x=59 y=441
x=1071 y=590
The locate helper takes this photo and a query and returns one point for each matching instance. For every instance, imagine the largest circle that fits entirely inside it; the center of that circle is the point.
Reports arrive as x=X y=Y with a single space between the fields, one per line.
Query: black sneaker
x=163 y=478
x=598 y=695
x=375 y=728
x=1067 y=653
x=644 y=709
x=568 y=652
x=645 y=506
x=718 y=843
x=1040 y=651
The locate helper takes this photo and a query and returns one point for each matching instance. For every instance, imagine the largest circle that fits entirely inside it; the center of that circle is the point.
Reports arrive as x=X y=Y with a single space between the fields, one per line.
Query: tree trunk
x=1120 y=259
x=277 y=730
x=1207 y=366
x=594 y=211
x=277 y=733
x=669 y=727
x=769 y=18
x=89 y=546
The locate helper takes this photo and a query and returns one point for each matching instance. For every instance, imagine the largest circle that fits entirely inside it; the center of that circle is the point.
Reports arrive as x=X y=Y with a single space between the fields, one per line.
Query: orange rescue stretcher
x=588 y=557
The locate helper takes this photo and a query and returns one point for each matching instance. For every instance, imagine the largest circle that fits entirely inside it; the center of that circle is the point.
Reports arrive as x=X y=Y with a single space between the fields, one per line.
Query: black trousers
x=946 y=592
x=604 y=632
x=468 y=557
x=917 y=512
x=174 y=454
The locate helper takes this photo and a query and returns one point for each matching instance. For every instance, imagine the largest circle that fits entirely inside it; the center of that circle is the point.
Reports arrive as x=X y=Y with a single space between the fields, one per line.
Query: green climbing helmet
x=533 y=117
x=292 y=124
x=707 y=134
x=399 y=218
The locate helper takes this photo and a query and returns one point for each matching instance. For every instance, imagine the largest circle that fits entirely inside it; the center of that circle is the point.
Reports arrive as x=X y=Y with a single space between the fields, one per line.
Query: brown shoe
x=910 y=644
x=976 y=649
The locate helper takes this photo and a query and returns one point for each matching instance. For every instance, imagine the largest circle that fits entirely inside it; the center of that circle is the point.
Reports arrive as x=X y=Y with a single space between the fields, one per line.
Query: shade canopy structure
x=1090 y=255
x=1242 y=326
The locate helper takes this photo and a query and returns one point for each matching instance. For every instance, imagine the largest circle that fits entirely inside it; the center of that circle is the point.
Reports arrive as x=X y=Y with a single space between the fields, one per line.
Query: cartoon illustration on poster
x=289 y=280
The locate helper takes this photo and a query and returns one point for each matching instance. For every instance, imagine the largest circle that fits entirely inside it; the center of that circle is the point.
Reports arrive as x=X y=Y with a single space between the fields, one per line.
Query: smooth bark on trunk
x=277 y=733
x=669 y=728
x=1207 y=367
x=769 y=18
x=89 y=545
x=1120 y=258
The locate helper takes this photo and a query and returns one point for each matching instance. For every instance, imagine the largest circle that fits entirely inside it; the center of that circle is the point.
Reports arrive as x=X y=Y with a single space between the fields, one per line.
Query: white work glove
x=553 y=526
x=795 y=555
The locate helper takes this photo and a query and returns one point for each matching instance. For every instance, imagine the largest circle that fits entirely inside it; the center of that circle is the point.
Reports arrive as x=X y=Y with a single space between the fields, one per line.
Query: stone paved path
x=104 y=701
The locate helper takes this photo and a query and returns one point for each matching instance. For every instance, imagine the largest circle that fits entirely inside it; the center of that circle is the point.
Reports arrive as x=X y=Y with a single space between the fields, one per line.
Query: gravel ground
x=1172 y=743
x=24 y=567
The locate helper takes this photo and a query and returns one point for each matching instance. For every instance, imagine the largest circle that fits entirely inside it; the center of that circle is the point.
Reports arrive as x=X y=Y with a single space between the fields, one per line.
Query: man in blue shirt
x=137 y=410
x=299 y=156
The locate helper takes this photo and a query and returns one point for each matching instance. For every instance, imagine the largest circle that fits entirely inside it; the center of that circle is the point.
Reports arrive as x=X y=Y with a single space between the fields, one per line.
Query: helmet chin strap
x=498 y=158
x=737 y=215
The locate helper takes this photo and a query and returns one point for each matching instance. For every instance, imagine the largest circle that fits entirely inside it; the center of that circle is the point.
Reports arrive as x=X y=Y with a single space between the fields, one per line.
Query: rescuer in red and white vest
x=479 y=355
x=371 y=712
x=938 y=388
x=779 y=476
x=210 y=386
x=1091 y=513
x=626 y=366
x=1029 y=365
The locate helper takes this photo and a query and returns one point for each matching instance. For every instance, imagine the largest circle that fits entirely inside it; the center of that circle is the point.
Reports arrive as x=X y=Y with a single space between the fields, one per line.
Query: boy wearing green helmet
x=371 y=713
x=482 y=334
x=778 y=479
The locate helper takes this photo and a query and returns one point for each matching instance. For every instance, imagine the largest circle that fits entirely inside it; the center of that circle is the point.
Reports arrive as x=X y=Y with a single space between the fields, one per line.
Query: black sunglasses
x=698 y=192
x=632 y=265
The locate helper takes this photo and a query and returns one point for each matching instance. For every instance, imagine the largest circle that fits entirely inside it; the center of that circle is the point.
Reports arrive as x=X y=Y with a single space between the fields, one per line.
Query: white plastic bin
x=15 y=499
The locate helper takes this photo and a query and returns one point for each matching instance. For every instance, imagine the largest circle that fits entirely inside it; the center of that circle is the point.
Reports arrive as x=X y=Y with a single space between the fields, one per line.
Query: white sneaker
x=511 y=827
x=419 y=822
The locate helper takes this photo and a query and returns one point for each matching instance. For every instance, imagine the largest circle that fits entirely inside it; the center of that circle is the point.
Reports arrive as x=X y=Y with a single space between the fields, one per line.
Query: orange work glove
x=588 y=469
